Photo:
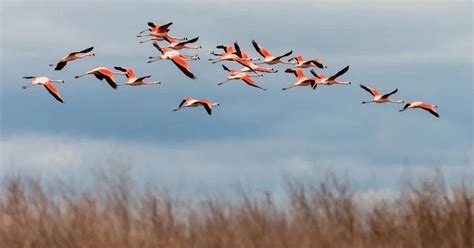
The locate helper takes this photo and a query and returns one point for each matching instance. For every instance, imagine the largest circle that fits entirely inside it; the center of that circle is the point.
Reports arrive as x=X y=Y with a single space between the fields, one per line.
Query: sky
x=254 y=138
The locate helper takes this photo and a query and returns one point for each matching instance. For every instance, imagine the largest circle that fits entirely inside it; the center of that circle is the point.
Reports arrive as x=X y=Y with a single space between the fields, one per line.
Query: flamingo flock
x=251 y=67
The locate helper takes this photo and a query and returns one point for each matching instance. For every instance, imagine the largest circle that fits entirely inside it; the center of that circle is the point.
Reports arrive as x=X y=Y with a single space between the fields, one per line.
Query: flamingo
x=428 y=107
x=47 y=83
x=302 y=79
x=238 y=75
x=190 y=102
x=132 y=79
x=244 y=60
x=301 y=63
x=102 y=73
x=378 y=98
x=183 y=44
x=178 y=59
x=158 y=32
x=332 y=79
x=73 y=56
x=268 y=58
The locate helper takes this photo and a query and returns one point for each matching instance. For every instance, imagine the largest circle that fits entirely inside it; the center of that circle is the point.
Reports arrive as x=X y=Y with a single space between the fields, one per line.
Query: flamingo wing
x=225 y=68
x=389 y=94
x=189 y=41
x=206 y=106
x=109 y=78
x=429 y=108
x=285 y=55
x=372 y=91
x=260 y=49
x=315 y=74
x=119 y=68
x=164 y=28
x=141 y=78
x=297 y=72
x=183 y=66
x=182 y=103
x=250 y=82
x=53 y=91
x=339 y=73
x=155 y=44
x=60 y=65
x=237 y=52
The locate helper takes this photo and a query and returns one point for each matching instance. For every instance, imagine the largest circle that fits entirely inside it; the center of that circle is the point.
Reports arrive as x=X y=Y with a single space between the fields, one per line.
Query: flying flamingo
x=132 y=79
x=183 y=44
x=378 y=98
x=190 y=102
x=238 y=75
x=47 y=83
x=301 y=63
x=73 y=56
x=428 y=107
x=158 y=33
x=268 y=58
x=302 y=79
x=102 y=73
x=244 y=60
x=178 y=59
x=332 y=79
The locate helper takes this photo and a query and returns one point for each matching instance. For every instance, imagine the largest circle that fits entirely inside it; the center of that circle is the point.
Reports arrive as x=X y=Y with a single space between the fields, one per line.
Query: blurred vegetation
x=114 y=213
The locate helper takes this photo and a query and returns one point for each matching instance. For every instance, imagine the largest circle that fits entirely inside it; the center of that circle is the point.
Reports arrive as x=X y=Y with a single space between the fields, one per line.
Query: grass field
x=116 y=214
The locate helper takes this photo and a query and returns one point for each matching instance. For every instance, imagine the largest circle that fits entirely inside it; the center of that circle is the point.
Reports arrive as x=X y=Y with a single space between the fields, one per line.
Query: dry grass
x=112 y=214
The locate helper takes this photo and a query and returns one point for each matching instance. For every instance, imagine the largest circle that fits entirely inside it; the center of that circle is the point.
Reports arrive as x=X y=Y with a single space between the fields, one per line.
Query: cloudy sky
x=255 y=137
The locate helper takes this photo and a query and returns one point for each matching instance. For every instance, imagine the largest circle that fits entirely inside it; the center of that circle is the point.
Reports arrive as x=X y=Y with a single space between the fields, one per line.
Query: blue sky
x=255 y=137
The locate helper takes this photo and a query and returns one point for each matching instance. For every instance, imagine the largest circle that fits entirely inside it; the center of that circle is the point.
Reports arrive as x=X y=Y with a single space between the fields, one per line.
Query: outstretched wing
x=189 y=41
x=237 y=52
x=389 y=94
x=155 y=44
x=60 y=65
x=225 y=68
x=316 y=62
x=296 y=71
x=372 y=91
x=405 y=107
x=339 y=73
x=183 y=66
x=285 y=55
x=250 y=82
x=206 y=107
x=182 y=103
x=87 y=50
x=315 y=74
x=429 y=108
x=53 y=91
x=164 y=28
x=260 y=49
x=141 y=78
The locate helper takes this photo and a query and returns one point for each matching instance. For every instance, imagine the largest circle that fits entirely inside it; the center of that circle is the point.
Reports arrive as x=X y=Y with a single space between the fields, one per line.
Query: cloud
x=256 y=164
